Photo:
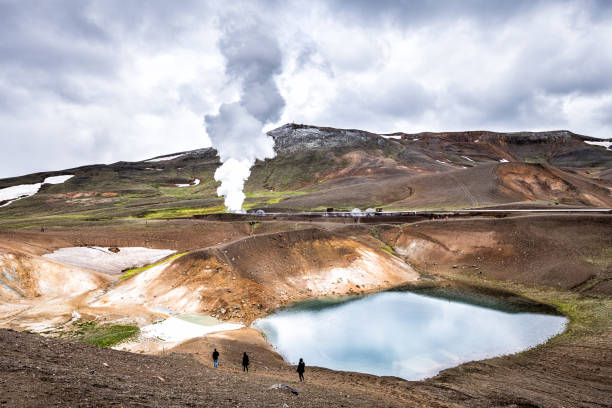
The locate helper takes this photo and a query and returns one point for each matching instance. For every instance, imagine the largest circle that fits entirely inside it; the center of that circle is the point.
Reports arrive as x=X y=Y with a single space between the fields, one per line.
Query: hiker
x=300 y=369
x=245 y=362
x=215 y=358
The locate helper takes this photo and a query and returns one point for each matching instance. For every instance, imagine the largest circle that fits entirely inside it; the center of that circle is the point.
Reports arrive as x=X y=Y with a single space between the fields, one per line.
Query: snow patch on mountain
x=104 y=260
x=604 y=144
x=195 y=183
x=165 y=158
x=15 y=193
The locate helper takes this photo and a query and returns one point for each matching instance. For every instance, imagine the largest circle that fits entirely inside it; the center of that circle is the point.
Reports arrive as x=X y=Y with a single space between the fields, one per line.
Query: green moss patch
x=135 y=271
x=108 y=335
x=388 y=249
x=181 y=212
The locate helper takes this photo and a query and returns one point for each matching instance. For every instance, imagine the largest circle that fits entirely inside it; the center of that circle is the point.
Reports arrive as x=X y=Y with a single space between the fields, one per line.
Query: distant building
x=356 y=212
x=260 y=212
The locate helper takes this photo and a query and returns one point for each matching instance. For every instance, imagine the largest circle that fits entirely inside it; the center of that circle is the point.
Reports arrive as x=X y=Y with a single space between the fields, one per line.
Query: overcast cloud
x=86 y=82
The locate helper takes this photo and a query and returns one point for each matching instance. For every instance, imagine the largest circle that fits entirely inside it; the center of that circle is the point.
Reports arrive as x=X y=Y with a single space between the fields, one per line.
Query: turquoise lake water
x=401 y=334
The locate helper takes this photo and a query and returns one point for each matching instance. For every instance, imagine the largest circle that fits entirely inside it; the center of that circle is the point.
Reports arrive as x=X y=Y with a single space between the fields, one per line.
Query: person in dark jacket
x=215 y=357
x=300 y=369
x=245 y=362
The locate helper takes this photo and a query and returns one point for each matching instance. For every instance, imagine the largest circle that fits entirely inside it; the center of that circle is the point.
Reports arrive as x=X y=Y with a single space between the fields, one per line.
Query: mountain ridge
x=280 y=136
x=319 y=167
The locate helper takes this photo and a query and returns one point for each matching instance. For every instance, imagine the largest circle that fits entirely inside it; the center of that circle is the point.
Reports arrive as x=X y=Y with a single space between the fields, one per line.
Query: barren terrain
x=83 y=330
x=280 y=262
x=318 y=168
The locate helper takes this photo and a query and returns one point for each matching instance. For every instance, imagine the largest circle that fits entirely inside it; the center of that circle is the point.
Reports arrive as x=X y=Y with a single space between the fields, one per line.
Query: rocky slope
x=239 y=276
x=238 y=271
x=239 y=281
x=317 y=167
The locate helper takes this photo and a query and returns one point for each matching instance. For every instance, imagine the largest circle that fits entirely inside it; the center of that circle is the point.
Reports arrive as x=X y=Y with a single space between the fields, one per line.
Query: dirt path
x=466 y=190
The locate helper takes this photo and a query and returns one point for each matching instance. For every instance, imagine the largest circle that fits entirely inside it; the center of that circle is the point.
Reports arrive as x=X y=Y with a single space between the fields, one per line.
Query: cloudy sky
x=86 y=82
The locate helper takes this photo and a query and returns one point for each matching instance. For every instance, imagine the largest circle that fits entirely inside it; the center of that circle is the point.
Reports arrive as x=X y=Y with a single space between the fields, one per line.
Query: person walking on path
x=245 y=362
x=300 y=369
x=215 y=358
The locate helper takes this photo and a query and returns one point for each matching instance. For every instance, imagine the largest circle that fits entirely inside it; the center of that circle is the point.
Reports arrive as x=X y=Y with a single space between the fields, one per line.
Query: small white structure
x=356 y=212
x=370 y=211
x=260 y=212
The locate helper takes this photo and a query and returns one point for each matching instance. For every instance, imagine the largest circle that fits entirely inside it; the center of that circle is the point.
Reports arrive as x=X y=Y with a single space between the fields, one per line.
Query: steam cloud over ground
x=253 y=59
x=112 y=80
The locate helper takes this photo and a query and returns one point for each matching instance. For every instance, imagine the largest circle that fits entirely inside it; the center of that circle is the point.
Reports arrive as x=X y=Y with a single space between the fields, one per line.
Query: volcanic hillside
x=316 y=168
x=236 y=272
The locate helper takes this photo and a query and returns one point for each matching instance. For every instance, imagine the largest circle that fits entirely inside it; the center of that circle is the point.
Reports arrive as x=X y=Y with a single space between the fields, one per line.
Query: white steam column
x=253 y=58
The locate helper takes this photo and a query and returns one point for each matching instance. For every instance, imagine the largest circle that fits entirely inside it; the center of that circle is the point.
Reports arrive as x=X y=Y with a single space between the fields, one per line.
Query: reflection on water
x=402 y=334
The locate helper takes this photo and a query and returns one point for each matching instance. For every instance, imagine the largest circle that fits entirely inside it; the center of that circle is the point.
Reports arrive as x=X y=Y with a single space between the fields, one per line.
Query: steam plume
x=253 y=58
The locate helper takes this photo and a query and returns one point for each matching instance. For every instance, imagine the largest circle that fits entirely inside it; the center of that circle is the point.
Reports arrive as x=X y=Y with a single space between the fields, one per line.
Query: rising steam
x=253 y=58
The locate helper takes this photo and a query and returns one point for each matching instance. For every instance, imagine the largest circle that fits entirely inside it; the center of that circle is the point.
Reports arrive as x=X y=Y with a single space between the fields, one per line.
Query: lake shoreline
x=405 y=333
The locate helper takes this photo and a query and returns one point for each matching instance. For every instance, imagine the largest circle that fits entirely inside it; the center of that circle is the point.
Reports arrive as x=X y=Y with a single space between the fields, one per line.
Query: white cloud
x=90 y=82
